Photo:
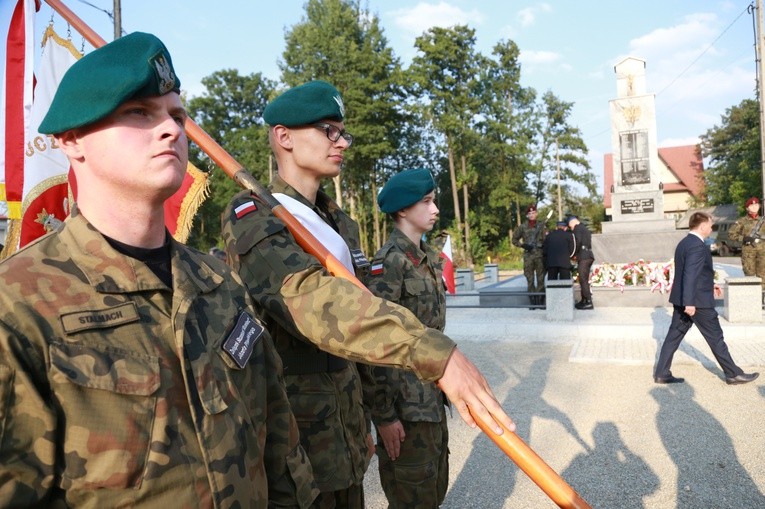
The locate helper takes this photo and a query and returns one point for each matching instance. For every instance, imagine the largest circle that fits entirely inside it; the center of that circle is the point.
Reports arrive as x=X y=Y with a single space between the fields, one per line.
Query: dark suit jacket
x=558 y=247
x=694 y=274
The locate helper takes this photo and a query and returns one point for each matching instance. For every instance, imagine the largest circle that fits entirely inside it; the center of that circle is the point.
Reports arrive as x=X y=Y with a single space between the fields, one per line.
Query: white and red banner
x=448 y=274
x=35 y=177
x=46 y=193
x=17 y=72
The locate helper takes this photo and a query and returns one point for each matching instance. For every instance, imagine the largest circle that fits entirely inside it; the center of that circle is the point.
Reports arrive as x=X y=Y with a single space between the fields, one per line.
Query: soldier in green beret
x=133 y=369
x=409 y=414
x=321 y=322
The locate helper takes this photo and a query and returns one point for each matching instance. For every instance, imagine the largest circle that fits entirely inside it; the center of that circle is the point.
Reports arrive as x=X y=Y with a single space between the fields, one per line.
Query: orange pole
x=512 y=445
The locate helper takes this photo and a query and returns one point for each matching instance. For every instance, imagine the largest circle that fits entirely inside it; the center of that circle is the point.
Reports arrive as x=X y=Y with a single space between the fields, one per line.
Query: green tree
x=503 y=147
x=559 y=148
x=341 y=43
x=229 y=110
x=445 y=78
x=733 y=172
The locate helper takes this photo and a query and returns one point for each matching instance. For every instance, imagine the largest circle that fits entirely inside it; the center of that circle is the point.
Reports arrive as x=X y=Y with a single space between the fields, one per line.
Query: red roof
x=684 y=162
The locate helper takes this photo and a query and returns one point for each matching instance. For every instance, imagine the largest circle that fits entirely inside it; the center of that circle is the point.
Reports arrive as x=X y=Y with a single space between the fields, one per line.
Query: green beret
x=305 y=104
x=405 y=189
x=137 y=65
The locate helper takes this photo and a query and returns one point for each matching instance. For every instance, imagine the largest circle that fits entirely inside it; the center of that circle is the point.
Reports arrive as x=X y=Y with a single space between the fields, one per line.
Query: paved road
x=583 y=398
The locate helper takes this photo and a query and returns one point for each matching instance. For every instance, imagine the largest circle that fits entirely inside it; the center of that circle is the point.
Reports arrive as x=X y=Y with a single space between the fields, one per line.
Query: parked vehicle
x=725 y=246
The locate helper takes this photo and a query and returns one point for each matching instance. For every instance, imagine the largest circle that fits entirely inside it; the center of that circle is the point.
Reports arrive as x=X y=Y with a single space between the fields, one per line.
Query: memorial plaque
x=637 y=206
x=634 y=158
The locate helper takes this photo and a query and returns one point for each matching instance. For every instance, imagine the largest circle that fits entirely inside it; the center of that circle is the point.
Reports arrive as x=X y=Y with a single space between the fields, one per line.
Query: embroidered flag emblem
x=242 y=340
x=244 y=209
x=377 y=269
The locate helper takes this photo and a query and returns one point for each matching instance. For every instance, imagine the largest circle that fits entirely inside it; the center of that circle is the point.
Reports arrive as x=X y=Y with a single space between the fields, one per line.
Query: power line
x=704 y=52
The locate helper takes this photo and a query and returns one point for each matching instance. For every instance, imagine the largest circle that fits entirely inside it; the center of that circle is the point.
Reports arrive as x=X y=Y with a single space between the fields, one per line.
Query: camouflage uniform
x=419 y=477
x=117 y=392
x=533 y=259
x=752 y=253
x=308 y=310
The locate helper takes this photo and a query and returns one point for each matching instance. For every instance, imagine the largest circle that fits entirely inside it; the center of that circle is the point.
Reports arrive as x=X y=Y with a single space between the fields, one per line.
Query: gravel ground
x=617 y=438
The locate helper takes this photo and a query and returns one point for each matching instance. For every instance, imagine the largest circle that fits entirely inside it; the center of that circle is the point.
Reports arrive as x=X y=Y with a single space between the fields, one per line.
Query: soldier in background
x=750 y=231
x=530 y=236
x=320 y=322
x=584 y=257
x=409 y=415
x=133 y=369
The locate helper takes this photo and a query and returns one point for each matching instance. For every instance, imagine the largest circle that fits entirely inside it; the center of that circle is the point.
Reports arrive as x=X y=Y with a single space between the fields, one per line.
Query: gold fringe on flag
x=195 y=196
x=12 y=237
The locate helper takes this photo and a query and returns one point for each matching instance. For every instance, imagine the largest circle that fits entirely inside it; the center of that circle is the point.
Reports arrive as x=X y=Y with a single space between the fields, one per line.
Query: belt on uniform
x=308 y=363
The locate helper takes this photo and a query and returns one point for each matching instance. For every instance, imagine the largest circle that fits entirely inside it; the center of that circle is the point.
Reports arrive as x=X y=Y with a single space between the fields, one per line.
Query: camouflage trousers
x=349 y=498
x=753 y=261
x=534 y=270
x=420 y=476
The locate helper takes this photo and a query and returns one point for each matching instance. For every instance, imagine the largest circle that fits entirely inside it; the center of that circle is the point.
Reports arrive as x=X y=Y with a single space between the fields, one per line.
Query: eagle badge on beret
x=165 y=76
x=339 y=101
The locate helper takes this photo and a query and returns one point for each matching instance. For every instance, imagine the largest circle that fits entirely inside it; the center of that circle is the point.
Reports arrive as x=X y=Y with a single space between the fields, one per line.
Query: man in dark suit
x=693 y=296
x=557 y=250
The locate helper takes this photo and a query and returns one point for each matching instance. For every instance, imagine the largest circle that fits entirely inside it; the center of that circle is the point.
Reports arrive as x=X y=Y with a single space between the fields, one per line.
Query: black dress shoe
x=743 y=378
x=668 y=380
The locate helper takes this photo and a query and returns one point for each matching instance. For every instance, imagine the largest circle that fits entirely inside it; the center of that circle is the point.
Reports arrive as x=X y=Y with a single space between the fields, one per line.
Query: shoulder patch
x=377 y=268
x=242 y=340
x=243 y=209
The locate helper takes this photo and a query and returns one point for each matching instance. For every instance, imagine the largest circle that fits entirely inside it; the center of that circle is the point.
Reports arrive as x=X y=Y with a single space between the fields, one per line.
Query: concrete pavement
x=582 y=396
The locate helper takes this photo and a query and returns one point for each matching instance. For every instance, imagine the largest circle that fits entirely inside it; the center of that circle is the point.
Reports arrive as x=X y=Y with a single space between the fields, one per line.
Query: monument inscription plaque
x=637 y=206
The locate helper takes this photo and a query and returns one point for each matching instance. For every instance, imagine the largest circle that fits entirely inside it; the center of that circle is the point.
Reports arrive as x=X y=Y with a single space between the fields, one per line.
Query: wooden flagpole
x=510 y=443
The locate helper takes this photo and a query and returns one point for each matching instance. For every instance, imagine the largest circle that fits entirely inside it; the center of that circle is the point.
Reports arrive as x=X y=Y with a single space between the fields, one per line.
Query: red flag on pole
x=448 y=274
x=41 y=185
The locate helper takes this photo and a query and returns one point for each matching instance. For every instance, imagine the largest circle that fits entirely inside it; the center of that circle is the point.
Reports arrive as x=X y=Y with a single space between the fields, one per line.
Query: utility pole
x=117 y=20
x=761 y=87
x=557 y=171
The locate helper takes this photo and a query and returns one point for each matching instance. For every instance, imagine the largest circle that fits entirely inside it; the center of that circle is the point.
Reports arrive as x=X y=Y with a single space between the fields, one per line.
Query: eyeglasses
x=333 y=133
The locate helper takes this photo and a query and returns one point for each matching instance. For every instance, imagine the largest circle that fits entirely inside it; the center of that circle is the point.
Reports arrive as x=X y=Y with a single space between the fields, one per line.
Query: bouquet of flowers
x=656 y=276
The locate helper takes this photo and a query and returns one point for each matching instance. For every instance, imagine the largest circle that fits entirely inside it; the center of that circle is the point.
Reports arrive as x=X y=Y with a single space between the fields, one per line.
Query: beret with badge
x=131 y=67
x=305 y=104
x=751 y=200
x=405 y=189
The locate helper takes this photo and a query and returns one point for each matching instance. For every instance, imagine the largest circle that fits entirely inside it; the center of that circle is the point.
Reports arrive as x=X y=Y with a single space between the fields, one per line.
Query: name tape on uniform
x=242 y=340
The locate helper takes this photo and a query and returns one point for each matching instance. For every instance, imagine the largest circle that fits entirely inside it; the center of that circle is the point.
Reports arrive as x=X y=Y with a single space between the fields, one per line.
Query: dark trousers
x=709 y=326
x=558 y=273
x=584 y=277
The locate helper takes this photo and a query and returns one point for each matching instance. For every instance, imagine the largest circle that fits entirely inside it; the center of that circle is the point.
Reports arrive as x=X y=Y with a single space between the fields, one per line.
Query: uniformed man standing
x=750 y=231
x=409 y=415
x=133 y=369
x=584 y=257
x=530 y=236
x=318 y=320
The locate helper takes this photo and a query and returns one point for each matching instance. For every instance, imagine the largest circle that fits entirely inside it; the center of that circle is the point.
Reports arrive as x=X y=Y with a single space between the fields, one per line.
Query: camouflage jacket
x=525 y=234
x=743 y=228
x=116 y=391
x=411 y=276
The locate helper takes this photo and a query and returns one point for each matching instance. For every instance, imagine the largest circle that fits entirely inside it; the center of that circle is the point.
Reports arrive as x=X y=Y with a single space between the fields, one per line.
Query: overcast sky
x=699 y=53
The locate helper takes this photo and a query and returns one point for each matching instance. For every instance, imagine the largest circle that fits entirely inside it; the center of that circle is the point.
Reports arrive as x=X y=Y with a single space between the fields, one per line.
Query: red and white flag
x=17 y=73
x=35 y=176
x=448 y=274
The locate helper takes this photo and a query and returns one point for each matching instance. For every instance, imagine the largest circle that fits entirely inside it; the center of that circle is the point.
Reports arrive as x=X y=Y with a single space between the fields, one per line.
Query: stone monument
x=638 y=228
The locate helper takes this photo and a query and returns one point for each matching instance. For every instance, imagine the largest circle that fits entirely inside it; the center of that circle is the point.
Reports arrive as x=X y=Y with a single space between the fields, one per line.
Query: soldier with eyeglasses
x=323 y=325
